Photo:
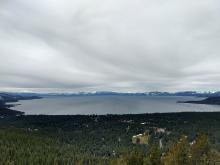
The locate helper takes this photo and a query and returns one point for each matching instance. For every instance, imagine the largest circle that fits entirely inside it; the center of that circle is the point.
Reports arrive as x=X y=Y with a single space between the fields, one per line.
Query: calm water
x=110 y=105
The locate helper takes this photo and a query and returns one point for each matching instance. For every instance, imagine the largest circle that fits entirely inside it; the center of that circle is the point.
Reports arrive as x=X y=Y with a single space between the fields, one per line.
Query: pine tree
x=134 y=158
x=178 y=154
x=201 y=150
x=154 y=156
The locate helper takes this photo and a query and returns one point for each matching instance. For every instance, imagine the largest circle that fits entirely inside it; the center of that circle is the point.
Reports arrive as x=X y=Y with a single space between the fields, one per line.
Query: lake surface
x=110 y=105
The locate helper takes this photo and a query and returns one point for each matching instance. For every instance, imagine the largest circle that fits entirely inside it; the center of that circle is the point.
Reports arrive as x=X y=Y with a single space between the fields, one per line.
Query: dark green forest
x=173 y=138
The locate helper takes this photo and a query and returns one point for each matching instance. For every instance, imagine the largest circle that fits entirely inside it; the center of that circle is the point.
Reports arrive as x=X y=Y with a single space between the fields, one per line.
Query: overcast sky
x=118 y=45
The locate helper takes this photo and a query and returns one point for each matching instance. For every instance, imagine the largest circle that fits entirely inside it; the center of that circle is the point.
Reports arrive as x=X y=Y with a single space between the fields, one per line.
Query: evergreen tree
x=134 y=158
x=201 y=150
x=154 y=156
x=178 y=154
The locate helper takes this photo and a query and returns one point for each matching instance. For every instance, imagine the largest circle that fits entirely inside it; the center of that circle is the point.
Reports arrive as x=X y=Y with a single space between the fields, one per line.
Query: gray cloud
x=120 y=45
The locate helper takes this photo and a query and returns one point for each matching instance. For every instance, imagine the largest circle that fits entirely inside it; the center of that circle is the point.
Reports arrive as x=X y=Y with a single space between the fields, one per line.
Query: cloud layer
x=119 y=45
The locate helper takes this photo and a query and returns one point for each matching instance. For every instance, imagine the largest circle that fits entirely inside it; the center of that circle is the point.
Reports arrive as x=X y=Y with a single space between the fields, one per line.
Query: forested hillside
x=172 y=138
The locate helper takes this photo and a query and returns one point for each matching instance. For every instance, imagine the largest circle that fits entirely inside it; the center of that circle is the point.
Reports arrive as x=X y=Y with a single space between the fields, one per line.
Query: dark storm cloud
x=120 y=45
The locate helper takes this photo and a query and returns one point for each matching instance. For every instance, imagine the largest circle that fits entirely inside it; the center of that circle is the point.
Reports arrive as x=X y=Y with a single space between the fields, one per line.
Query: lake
x=111 y=105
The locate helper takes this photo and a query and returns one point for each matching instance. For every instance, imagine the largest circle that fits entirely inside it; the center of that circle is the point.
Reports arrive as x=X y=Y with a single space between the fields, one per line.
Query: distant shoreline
x=8 y=101
x=208 y=101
